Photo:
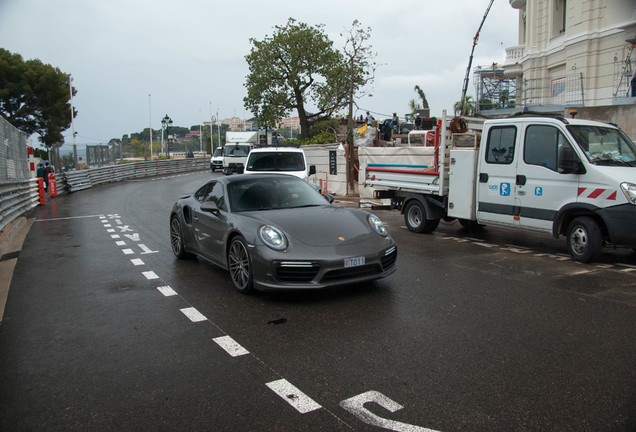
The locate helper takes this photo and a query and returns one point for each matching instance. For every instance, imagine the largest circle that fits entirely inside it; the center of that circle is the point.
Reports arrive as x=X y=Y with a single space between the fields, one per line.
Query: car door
x=542 y=186
x=496 y=177
x=210 y=227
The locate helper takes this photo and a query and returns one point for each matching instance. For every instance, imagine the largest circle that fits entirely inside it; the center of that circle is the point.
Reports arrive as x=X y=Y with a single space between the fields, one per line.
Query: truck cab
x=237 y=147
x=281 y=160
x=568 y=177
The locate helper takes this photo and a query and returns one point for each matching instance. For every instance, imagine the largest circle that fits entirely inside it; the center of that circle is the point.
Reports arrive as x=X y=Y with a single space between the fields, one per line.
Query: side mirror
x=328 y=197
x=569 y=162
x=312 y=169
x=209 y=206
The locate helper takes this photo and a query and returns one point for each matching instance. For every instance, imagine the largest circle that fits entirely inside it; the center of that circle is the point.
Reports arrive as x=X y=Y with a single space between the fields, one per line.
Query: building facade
x=573 y=53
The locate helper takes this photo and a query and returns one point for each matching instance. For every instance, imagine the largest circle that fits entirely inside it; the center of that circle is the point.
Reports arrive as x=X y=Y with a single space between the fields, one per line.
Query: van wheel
x=584 y=239
x=415 y=218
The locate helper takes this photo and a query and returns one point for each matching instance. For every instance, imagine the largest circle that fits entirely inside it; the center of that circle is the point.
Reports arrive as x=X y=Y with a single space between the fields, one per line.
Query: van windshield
x=276 y=161
x=218 y=152
x=604 y=145
x=237 y=150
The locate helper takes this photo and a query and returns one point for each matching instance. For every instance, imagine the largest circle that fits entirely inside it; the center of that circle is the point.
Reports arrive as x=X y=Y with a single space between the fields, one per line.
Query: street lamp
x=166 y=122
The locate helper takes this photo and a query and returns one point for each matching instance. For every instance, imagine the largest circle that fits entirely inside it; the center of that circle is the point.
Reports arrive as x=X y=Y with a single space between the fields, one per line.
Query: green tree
x=413 y=107
x=467 y=106
x=295 y=67
x=422 y=95
x=35 y=97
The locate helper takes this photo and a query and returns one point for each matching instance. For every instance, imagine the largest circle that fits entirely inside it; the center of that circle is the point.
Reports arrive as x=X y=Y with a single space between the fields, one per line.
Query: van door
x=496 y=177
x=541 y=188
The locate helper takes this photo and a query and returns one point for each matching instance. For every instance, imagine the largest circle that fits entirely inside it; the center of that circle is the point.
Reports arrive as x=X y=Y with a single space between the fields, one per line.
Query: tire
x=584 y=239
x=415 y=218
x=176 y=238
x=239 y=264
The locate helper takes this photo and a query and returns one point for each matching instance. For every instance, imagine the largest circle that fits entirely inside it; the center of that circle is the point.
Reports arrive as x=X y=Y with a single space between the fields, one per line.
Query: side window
x=501 y=145
x=544 y=146
x=204 y=191
x=216 y=195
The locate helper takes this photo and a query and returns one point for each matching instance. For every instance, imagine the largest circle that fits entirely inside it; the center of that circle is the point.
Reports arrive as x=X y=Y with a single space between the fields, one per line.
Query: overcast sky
x=188 y=53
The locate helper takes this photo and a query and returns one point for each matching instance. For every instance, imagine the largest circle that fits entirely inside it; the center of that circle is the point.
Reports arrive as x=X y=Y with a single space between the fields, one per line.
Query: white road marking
x=290 y=394
x=355 y=406
x=193 y=314
x=133 y=237
x=115 y=236
x=127 y=251
x=150 y=275
x=110 y=230
x=230 y=346
x=146 y=250
x=120 y=243
x=107 y=225
x=167 y=291
x=137 y=262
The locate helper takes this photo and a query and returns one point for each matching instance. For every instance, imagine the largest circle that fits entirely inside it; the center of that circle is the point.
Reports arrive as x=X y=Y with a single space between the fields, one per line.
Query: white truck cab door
x=496 y=176
x=542 y=186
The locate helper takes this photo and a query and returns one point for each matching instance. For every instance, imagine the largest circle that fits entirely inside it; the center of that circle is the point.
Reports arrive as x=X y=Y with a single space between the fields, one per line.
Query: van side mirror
x=312 y=169
x=569 y=162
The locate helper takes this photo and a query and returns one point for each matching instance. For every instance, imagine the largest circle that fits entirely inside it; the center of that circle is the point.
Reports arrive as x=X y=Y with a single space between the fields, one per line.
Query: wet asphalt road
x=485 y=331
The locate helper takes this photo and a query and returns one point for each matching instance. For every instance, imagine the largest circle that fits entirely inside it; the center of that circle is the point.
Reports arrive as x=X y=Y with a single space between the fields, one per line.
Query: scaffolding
x=494 y=90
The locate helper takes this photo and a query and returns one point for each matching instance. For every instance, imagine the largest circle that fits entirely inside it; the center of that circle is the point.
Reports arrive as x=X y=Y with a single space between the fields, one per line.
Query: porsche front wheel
x=240 y=265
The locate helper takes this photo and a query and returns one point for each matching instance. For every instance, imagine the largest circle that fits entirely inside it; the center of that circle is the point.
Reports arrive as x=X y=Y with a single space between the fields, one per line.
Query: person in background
x=369 y=118
x=81 y=164
x=48 y=168
x=40 y=173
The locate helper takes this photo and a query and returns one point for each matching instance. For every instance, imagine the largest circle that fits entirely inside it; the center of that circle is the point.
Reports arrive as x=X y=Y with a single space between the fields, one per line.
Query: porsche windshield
x=270 y=193
x=604 y=145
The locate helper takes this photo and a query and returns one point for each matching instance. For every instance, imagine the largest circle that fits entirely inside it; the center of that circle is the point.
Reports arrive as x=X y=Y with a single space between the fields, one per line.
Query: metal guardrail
x=19 y=196
x=16 y=198
x=73 y=181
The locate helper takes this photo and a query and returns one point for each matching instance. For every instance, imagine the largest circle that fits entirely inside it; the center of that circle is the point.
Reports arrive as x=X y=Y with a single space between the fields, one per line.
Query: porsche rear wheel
x=176 y=238
x=240 y=265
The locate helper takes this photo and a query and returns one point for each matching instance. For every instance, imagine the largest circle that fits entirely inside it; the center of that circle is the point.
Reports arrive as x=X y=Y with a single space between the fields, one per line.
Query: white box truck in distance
x=570 y=177
x=237 y=147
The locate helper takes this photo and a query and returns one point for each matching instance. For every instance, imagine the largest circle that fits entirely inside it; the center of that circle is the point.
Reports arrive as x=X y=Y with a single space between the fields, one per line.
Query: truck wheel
x=415 y=218
x=584 y=239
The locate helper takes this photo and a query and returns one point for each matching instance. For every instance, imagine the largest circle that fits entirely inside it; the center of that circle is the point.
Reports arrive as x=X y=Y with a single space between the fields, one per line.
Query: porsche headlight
x=272 y=237
x=377 y=225
x=629 y=189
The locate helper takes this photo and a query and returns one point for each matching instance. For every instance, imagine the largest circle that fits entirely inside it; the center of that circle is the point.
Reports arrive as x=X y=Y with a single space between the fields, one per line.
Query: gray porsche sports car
x=277 y=232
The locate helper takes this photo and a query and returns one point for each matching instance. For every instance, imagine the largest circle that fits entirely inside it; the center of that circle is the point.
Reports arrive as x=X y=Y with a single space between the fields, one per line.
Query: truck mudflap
x=619 y=221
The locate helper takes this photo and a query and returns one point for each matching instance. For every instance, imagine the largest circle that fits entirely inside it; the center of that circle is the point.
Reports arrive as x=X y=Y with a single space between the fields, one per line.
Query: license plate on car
x=354 y=262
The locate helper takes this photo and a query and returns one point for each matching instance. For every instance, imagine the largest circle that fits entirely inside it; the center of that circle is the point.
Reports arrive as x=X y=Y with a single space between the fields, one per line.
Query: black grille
x=389 y=258
x=352 y=272
x=295 y=271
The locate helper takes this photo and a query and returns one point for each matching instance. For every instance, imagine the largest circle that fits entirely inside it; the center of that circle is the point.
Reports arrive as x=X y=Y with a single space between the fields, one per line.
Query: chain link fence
x=13 y=153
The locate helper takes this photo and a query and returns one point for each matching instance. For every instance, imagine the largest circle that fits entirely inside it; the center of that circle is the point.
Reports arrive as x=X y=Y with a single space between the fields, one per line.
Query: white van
x=216 y=160
x=281 y=160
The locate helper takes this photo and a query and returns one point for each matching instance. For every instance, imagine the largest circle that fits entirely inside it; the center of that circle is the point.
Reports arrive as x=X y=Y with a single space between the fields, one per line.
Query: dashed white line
x=193 y=314
x=290 y=394
x=150 y=275
x=230 y=346
x=167 y=291
x=120 y=243
x=115 y=236
x=127 y=251
x=137 y=262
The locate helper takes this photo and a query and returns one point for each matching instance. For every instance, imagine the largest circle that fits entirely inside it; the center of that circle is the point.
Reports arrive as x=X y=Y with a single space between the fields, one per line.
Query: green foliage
x=296 y=66
x=324 y=137
x=34 y=97
x=465 y=106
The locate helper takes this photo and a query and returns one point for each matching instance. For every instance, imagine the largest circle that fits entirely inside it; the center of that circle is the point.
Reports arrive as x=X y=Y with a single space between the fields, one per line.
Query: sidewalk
x=11 y=240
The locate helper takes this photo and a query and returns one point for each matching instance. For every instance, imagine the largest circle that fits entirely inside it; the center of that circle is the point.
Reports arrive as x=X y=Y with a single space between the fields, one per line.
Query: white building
x=573 y=53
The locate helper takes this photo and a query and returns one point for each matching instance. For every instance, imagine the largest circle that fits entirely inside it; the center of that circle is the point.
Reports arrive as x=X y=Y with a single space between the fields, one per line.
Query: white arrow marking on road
x=133 y=237
x=300 y=401
x=355 y=406
x=146 y=249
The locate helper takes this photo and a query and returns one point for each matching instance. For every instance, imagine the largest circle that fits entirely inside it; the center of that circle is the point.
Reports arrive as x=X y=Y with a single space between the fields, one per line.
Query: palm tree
x=465 y=106
x=422 y=96
x=413 y=107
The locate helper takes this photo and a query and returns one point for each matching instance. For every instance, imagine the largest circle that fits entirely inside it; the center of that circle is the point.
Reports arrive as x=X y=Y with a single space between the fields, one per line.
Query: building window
x=558 y=17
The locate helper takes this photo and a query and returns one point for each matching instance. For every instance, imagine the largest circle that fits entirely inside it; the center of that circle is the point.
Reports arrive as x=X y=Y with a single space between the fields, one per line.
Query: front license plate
x=354 y=262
